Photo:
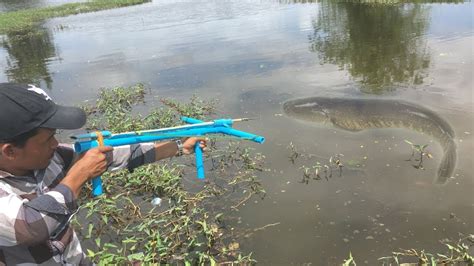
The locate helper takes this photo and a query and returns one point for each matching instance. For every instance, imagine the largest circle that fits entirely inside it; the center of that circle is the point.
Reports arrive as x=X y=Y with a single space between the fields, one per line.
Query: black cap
x=26 y=107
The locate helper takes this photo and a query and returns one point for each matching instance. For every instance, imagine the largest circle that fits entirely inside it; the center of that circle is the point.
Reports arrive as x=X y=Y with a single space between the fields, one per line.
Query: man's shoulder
x=4 y=174
x=66 y=153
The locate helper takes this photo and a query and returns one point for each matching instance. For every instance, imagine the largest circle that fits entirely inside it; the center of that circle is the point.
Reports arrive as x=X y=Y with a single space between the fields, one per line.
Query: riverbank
x=23 y=19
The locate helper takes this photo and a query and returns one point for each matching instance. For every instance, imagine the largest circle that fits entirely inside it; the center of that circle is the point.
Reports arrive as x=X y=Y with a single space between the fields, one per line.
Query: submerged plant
x=315 y=171
x=420 y=151
x=337 y=162
x=458 y=254
x=306 y=174
x=294 y=153
x=350 y=261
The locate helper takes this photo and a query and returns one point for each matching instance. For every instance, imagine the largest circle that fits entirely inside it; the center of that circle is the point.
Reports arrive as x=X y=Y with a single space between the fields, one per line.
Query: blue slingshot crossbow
x=194 y=128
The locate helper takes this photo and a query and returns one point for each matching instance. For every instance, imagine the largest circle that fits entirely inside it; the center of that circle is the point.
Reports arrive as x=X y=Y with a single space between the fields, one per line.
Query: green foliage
x=23 y=19
x=457 y=254
x=123 y=227
x=420 y=150
x=197 y=108
x=350 y=261
x=113 y=110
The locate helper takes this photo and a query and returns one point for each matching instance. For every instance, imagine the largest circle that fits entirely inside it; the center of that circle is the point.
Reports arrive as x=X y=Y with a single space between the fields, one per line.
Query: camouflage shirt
x=35 y=210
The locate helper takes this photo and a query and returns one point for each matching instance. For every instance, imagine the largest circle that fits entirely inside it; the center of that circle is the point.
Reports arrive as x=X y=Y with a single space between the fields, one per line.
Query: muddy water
x=255 y=56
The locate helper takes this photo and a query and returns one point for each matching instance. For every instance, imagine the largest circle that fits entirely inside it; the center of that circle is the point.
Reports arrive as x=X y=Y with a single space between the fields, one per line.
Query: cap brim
x=66 y=117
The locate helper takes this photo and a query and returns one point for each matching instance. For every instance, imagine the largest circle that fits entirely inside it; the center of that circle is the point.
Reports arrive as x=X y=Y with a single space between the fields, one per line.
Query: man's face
x=38 y=150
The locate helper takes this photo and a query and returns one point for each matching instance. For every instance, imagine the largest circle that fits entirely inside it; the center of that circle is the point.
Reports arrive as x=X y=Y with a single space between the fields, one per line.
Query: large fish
x=359 y=114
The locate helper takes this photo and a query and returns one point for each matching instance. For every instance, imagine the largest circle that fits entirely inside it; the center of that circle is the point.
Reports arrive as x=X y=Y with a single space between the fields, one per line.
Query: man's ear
x=7 y=150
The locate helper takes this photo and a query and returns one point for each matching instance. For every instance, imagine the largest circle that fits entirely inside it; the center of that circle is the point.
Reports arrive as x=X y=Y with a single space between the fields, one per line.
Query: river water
x=253 y=56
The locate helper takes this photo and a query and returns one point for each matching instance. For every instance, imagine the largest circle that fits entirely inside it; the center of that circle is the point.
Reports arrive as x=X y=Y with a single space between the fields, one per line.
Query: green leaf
x=110 y=245
x=129 y=240
x=97 y=242
x=89 y=231
x=90 y=253
x=219 y=215
x=136 y=256
x=213 y=262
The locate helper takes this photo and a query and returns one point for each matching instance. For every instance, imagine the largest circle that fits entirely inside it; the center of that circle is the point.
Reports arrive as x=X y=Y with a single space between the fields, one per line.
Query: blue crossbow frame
x=195 y=128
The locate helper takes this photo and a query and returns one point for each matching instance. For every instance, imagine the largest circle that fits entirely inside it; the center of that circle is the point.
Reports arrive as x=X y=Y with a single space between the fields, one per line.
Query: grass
x=23 y=19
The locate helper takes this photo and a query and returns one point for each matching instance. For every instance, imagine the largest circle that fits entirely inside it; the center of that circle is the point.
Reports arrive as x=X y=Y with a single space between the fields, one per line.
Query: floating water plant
x=420 y=151
x=315 y=170
x=294 y=153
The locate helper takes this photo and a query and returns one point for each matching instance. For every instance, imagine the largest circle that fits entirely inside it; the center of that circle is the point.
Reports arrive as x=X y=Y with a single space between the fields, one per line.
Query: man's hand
x=169 y=149
x=91 y=164
x=189 y=143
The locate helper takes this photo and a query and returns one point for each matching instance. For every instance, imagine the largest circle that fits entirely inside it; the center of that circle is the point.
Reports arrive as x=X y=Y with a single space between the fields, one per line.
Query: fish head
x=309 y=109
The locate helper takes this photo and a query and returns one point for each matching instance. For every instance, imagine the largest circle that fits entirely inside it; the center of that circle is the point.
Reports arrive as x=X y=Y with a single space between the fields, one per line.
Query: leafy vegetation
x=457 y=254
x=23 y=19
x=192 y=223
x=420 y=150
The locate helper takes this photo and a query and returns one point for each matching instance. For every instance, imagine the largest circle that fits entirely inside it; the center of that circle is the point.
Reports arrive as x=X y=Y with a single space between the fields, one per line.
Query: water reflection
x=28 y=54
x=381 y=46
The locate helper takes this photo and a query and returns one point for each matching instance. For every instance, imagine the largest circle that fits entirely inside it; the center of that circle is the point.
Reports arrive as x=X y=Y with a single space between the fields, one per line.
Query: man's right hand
x=91 y=164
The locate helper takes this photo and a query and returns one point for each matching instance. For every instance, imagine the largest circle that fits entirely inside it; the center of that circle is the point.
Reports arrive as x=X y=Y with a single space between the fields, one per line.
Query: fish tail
x=448 y=163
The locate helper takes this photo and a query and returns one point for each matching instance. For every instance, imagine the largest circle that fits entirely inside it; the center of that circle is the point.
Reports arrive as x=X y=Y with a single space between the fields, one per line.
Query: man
x=40 y=180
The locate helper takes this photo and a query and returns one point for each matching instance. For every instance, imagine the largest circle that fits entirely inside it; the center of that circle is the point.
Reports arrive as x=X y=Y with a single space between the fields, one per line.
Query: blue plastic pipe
x=221 y=126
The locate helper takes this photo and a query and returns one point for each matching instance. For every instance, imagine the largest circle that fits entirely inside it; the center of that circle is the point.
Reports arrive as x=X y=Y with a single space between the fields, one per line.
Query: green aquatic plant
x=420 y=150
x=458 y=254
x=306 y=174
x=314 y=171
x=336 y=161
x=294 y=153
x=349 y=261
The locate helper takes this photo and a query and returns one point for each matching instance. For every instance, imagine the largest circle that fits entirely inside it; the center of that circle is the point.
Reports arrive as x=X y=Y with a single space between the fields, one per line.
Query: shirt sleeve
x=30 y=222
x=127 y=156
x=131 y=156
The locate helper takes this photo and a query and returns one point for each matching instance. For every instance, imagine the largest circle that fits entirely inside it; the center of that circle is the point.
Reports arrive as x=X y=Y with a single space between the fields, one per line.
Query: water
x=253 y=57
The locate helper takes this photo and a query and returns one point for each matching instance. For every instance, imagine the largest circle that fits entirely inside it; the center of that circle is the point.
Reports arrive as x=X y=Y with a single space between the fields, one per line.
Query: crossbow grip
x=199 y=161
x=97 y=186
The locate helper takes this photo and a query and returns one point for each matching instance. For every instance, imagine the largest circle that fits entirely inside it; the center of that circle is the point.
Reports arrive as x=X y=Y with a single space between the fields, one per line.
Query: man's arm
x=91 y=164
x=132 y=156
x=169 y=149
x=30 y=221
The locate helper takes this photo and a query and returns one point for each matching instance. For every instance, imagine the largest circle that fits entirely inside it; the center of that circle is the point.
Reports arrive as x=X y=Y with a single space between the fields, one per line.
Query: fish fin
x=448 y=163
